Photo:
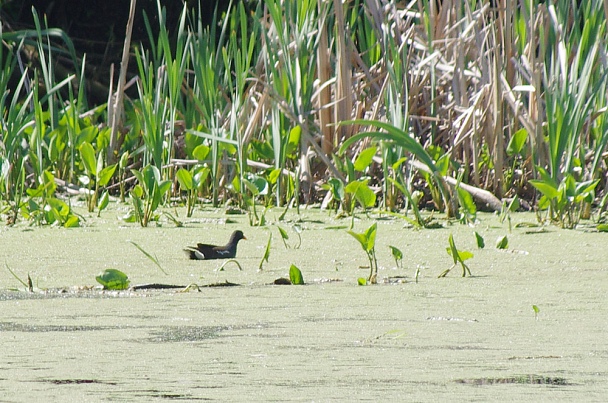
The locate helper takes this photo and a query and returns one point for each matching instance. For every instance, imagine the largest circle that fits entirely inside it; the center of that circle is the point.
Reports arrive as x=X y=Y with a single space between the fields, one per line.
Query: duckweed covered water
x=435 y=340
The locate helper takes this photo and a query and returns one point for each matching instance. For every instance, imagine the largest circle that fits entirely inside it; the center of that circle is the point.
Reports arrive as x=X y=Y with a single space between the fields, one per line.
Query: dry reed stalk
x=343 y=88
x=324 y=74
x=117 y=107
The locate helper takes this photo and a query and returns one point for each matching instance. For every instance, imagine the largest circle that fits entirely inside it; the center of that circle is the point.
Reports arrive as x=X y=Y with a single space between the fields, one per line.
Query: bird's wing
x=204 y=246
x=194 y=253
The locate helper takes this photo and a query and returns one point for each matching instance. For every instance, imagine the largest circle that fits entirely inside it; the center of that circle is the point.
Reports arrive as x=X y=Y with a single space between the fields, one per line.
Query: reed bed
x=507 y=97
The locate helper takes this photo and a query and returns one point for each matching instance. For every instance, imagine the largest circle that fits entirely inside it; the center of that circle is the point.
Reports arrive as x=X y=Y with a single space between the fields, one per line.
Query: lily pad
x=113 y=279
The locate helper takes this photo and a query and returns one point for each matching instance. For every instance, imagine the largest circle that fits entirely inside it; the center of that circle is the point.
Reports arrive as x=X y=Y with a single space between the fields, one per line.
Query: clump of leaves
x=42 y=207
x=112 y=279
x=564 y=200
x=458 y=256
x=361 y=192
x=191 y=181
x=148 y=194
x=367 y=240
x=94 y=167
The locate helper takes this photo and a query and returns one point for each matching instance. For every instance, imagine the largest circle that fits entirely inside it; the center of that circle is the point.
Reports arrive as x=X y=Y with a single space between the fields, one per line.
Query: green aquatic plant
x=257 y=186
x=285 y=237
x=295 y=275
x=147 y=194
x=536 y=310
x=507 y=209
x=266 y=253
x=502 y=242
x=367 y=240
x=191 y=182
x=112 y=279
x=95 y=172
x=154 y=259
x=230 y=261
x=42 y=207
x=397 y=255
x=29 y=285
x=564 y=201
x=458 y=256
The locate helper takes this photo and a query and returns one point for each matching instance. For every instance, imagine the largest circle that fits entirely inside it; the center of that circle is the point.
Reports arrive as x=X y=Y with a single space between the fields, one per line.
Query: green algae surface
x=449 y=339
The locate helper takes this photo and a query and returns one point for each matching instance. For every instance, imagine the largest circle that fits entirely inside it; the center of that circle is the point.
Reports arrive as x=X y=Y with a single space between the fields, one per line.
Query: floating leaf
x=113 y=279
x=295 y=275
x=480 y=242
x=362 y=281
x=602 y=227
x=502 y=242
x=72 y=222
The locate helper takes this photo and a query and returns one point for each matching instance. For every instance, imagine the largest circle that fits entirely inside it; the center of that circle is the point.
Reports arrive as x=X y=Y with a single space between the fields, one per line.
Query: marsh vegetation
x=400 y=108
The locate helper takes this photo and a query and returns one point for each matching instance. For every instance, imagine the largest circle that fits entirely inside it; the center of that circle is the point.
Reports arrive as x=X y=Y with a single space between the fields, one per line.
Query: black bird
x=205 y=252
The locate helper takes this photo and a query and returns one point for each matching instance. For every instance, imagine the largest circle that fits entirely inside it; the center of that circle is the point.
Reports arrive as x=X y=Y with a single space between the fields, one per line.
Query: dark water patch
x=519 y=379
x=19 y=327
x=167 y=334
x=76 y=381
x=186 y=333
x=157 y=394
x=77 y=292
x=535 y=357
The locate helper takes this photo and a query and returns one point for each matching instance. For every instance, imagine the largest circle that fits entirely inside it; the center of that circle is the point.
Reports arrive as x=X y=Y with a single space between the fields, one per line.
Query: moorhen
x=205 y=252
